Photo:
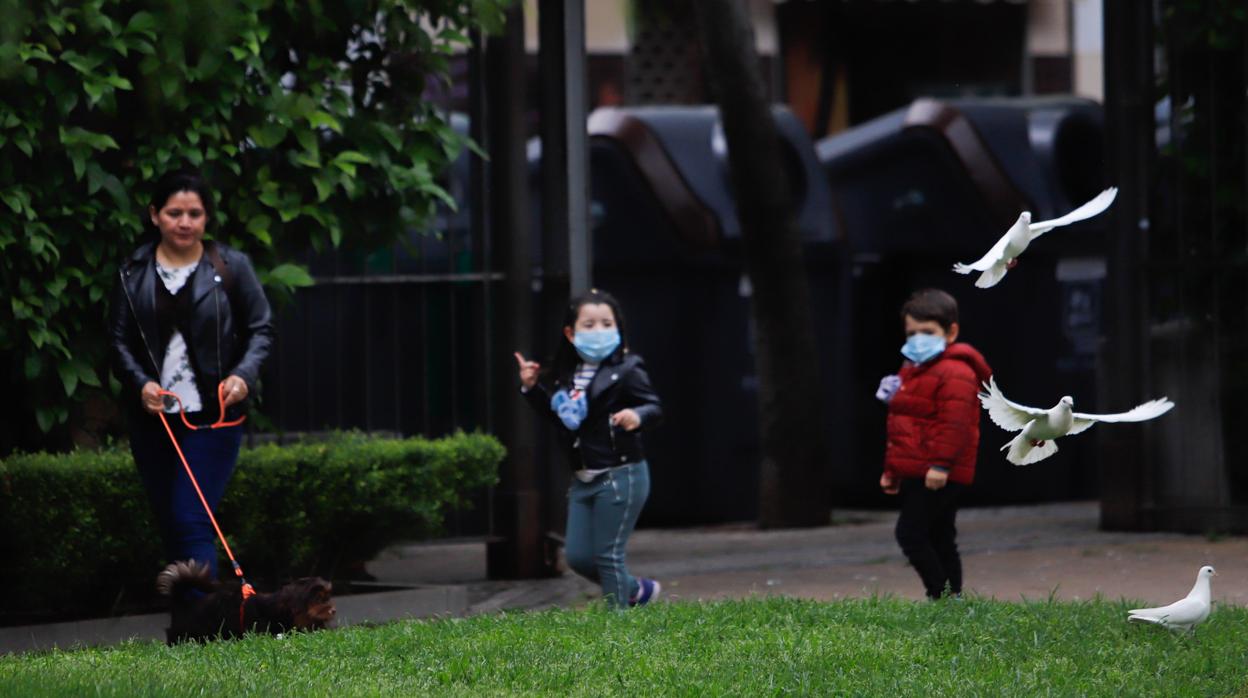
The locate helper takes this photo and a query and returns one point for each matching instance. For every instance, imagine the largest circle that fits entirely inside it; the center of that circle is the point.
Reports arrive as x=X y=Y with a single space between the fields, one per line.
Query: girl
x=599 y=397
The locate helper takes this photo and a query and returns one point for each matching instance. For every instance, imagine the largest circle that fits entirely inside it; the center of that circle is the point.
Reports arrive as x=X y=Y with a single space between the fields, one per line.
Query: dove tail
x=962 y=268
x=992 y=277
x=1152 y=620
x=1023 y=453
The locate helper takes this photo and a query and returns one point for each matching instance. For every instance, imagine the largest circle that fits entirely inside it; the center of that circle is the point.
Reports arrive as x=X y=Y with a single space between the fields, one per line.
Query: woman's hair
x=172 y=182
x=565 y=359
x=931 y=304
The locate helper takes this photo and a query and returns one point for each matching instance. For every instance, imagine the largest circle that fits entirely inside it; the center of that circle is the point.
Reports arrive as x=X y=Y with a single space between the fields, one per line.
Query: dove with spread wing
x=1004 y=255
x=1184 y=614
x=1039 y=429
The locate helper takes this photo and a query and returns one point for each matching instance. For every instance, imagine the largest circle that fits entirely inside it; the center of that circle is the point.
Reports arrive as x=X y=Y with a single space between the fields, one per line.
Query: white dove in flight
x=1184 y=614
x=1004 y=255
x=1038 y=429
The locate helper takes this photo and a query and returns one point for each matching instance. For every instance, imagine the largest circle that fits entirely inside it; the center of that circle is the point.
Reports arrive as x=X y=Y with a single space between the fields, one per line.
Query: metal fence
x=392 y=341
x=1177 y=84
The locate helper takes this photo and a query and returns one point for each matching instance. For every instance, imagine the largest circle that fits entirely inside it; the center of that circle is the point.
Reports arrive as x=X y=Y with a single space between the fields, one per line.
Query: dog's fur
x=304 y=604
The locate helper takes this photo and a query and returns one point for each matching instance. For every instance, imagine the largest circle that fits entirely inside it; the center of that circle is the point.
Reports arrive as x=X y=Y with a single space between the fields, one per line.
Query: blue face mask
x=570 y=410
x=921 y=347
x=595 y=345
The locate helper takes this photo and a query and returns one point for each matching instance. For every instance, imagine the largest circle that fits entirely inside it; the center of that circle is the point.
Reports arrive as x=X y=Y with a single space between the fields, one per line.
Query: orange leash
x=215 y=425
x=248 y=590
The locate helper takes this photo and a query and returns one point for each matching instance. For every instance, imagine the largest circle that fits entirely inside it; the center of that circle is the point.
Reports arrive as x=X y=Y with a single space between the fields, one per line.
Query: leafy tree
x=306 y=115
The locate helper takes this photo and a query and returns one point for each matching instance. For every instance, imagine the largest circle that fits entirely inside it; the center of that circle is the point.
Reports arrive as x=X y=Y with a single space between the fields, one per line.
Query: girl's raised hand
x=528 y=371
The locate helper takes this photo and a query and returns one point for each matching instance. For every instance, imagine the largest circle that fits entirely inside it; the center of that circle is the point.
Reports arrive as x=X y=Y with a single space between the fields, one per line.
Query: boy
x=933 y=436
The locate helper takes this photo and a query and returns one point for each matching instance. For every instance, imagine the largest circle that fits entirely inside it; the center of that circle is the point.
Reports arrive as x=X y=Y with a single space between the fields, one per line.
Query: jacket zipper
x=138 y=323
x=216 y=301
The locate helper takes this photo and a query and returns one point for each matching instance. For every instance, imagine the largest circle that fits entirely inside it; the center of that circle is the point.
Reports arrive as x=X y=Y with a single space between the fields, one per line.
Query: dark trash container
x=667 y=242
x=939 y=182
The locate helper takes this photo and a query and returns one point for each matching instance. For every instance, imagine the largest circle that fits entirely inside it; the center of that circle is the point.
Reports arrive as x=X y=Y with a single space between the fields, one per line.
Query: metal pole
x=1129 y=129
x=515 y=548
x=478 y=188
x=565 y=143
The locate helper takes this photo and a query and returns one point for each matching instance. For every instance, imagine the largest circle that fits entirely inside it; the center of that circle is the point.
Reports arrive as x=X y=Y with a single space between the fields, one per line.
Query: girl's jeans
x=601 y=516
x=212 y=453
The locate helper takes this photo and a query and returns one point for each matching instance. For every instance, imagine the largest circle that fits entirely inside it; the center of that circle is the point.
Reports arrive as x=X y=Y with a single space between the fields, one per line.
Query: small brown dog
x=219 y=612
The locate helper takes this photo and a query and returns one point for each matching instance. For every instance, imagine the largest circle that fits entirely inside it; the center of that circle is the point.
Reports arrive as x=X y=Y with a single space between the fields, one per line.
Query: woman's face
x=181 y=220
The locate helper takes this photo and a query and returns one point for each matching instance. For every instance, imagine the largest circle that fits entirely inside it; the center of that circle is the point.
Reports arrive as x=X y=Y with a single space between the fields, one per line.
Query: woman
x=189 y=317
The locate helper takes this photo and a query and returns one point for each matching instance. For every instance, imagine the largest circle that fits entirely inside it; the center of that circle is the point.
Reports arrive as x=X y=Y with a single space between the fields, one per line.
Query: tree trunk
x=794 y=483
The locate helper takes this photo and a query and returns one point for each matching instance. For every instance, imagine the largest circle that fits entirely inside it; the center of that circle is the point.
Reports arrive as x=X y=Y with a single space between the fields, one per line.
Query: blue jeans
x=601 y=516
x=212 y=454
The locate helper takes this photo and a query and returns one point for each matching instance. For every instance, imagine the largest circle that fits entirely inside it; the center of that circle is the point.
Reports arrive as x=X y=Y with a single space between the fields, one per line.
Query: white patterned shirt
x=581 y=379
x=580 y=383
x=176 y=374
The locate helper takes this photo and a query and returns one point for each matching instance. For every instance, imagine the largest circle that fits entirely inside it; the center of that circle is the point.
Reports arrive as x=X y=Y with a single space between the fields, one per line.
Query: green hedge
x=77 y=533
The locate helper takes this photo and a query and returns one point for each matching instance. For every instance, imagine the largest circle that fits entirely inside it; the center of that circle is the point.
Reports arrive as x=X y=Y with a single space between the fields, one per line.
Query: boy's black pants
x=927 y=535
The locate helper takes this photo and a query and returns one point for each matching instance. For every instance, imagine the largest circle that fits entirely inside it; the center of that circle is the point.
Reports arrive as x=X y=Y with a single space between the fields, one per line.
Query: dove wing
x=994 y=255
x=1092 y=208
x=1008 y=415
x=1182 y=612
x=1140 y=413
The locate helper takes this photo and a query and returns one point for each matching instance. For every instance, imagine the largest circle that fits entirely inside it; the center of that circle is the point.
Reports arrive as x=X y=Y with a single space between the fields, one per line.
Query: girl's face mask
x=595 y=334
x=595 y=345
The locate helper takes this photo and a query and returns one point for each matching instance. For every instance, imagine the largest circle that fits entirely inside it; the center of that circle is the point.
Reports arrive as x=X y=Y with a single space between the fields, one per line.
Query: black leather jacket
x=229 y=334
x=621 y=382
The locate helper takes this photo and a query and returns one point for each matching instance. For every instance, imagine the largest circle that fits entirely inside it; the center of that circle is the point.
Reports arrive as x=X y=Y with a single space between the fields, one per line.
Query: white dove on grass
x=1184 y=614
x=1004 y=255
x=1038 y=429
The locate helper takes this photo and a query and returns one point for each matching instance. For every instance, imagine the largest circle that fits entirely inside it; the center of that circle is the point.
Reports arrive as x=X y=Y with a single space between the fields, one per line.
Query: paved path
x=1008 y=553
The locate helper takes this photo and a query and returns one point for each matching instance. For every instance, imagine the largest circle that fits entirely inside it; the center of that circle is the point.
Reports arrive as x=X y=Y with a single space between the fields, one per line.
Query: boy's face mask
x=595 y=345
x=921 y=347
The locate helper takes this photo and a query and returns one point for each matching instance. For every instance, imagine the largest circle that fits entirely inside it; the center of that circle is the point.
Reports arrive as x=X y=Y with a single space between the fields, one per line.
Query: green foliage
x=76 y=529
x=306 y=116
x=761 y=647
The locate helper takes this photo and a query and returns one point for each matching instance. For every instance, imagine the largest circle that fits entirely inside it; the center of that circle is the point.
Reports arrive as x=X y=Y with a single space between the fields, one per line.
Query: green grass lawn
x=876 y=647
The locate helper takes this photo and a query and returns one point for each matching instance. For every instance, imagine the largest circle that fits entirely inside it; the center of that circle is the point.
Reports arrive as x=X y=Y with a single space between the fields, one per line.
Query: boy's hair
x=931 y=304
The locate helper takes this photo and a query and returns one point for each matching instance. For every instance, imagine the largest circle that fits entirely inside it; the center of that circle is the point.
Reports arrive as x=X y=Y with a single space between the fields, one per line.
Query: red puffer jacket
x=933 y=419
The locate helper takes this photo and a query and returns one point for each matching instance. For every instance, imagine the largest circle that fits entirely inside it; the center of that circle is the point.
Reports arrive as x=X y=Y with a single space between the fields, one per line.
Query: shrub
x=77 y=533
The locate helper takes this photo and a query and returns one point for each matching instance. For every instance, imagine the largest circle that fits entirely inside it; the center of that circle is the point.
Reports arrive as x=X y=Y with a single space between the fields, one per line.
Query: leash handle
x=215 y=425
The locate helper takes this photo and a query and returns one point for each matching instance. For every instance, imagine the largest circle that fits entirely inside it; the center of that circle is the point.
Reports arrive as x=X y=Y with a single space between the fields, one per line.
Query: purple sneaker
x=647 y=591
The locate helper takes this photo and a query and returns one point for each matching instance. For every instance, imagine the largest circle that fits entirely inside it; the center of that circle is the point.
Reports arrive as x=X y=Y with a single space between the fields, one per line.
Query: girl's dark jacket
x=620 y=383
x=230 y=333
